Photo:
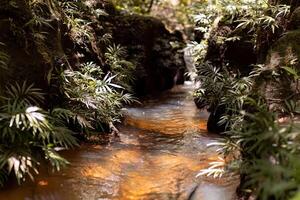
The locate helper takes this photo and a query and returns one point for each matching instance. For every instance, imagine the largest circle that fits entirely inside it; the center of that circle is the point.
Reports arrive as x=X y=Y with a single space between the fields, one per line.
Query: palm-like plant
x=219 y=87
x=28 y=133
x=96 y=98
x=268 y=154
x=115 y=57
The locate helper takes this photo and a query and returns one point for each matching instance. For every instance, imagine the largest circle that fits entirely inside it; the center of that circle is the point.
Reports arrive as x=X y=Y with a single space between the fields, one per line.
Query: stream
x=161 y=148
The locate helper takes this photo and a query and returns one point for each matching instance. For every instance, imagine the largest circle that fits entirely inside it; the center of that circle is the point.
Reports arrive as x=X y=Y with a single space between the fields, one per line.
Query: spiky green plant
x=93 y=95
x=264 y=152
x=268 y=159
x=28 y=133
x=115 y=57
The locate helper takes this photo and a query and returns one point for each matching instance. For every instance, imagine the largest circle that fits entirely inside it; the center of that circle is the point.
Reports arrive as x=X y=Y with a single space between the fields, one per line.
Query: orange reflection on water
x=164 y=176
x=96 y=171
x=169 y=126
x=203 y=125
x=43 y=183
x=113 y=165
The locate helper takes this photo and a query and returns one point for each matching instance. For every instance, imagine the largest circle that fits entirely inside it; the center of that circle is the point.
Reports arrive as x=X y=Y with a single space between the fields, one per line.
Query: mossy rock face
x=18 y=42
x=295 y=19
x=284 y=49
x=160 y=65
x=16 y=8
x=31 y=57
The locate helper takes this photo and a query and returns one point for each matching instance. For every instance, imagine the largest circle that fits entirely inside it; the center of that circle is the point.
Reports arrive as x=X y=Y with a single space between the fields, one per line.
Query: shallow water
x=161 y=148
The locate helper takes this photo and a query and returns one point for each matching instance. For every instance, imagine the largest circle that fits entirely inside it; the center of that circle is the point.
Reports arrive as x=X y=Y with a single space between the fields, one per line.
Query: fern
x=28 y=131
x=115 y=57
x=24 y=92
x=98 y=99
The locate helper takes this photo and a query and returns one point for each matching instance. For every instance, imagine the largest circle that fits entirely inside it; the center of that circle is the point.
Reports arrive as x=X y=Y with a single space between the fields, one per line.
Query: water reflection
x=161 y=148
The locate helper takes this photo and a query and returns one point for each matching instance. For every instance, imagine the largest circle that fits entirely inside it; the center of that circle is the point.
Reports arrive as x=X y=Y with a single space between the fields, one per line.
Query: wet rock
x=200 y=103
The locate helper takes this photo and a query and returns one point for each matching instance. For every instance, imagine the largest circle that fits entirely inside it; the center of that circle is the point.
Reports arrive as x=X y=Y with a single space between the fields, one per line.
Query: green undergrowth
x=259 y=110
x=80 y=99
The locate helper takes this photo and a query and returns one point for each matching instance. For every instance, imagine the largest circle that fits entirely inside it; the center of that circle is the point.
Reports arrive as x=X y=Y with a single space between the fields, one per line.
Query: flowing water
x=160 y=150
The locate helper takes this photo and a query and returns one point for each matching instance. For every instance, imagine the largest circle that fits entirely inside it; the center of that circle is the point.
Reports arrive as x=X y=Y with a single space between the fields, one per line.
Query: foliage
x=248 y=20
x=135 y=6
x=219 y=87
x=93 y=95
x=269 y=150
x=29 y=133
x=255 y=145
x=119 y=66
x=270 y=153
x=249 y=13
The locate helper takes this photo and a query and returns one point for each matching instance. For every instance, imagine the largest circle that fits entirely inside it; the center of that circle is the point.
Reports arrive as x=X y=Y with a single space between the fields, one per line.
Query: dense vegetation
x=83 y=98
x=253 y=100
x=72 y=65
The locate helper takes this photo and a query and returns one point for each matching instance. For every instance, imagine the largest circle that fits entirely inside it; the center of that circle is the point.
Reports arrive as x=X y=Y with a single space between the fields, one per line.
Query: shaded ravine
x=161 y=148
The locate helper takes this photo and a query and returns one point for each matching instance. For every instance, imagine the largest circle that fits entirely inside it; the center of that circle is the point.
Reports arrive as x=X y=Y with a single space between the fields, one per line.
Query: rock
x=160 y=65
x=295 y=19
x=31 y=57
x=215 y=49
x=282 y=53
x=214 y=118
x=285 y=46
x=238 y=54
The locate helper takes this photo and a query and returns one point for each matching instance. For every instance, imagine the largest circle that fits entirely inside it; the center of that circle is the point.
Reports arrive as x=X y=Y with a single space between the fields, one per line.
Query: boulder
x=160 y=64
x=238 y=54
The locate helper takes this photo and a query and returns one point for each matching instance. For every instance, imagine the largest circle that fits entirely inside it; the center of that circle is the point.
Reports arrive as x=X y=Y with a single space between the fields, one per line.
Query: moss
x=295 y=19
x=288 y=44
x=284 y=50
